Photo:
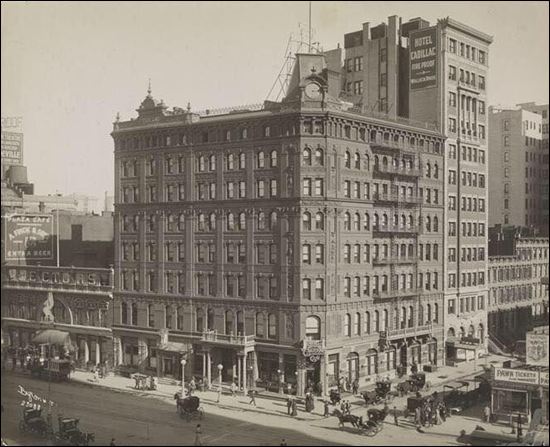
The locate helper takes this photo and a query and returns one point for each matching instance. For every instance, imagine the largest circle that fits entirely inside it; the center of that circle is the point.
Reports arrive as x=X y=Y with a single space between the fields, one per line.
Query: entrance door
x=168 y=366
x=353 y=367
x=403 y=356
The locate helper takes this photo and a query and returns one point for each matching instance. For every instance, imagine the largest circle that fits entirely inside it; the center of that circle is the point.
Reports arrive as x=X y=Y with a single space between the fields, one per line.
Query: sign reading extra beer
x=29 y=237
x=536 y=349
x=423 y=58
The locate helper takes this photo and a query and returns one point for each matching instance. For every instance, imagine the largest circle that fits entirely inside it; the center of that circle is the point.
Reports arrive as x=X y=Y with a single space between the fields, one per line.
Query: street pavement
x=113 y=408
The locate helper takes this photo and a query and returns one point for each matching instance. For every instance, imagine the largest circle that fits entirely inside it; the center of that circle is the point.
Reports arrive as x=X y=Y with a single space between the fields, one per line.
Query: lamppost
x=251 y=376
x=183 y=363
x=279 y=372
x=220 y=369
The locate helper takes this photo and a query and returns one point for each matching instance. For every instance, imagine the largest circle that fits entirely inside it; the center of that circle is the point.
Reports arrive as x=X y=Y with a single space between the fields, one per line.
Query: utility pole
x=309 y=30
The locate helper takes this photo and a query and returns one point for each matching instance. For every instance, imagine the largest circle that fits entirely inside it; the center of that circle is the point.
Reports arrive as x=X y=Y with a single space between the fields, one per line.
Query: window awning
x=53 y=337
x=174 y=347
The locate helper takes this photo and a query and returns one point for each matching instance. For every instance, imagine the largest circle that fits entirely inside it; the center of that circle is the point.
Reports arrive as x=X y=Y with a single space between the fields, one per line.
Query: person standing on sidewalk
x=294 y=408
x=198 y=435
x=233 y=389
x=355 y=387
x=327 y=409
x=487 y=413
x=288 y=405
x=252 y=395
x=395 y=416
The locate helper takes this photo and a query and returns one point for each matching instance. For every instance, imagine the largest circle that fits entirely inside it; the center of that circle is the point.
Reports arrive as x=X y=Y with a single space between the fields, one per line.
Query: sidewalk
x=272 y=403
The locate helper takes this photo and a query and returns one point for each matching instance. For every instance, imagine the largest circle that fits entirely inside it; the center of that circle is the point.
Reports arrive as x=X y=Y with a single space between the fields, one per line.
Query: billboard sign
x=520 y=376
x=12 y=148
x=29 y=237
x=423 y=59
x=536 y=349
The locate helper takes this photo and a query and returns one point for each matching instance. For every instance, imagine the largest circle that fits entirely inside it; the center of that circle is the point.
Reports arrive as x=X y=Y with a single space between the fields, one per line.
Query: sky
x=69 y=67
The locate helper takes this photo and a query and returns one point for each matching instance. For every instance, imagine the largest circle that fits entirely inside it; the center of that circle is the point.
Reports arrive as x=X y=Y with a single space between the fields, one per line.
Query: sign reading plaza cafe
x=29 y=237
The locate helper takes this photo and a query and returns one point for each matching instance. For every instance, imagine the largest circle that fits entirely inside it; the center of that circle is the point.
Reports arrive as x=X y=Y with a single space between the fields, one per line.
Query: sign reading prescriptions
x=12 y=148
x=29 y=237
x=536 y=349
x=423 y=59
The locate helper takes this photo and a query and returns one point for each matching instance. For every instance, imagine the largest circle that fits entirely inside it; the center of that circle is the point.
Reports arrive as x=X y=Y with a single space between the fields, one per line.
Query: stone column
x=245 y=374
x=209 y=368
x=97 y=352
x=86 y=351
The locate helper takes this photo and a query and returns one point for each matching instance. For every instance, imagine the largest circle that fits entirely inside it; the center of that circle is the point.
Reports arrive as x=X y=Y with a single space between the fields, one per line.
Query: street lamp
x=279 y=372
x=183 y=363
x=251 y=376
x=220 y=369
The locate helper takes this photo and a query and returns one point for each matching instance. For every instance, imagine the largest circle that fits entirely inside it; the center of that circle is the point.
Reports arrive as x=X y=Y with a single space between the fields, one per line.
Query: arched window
x=274 y=159
x=319 y=221
x=428 y=170
x=428 y=224
x=436 y=313
x=319 y=157
x=367 y=328
x=273 y=220
x=347 y=325
x=212 y=222
x=124 y=313
x=230 y=162
x=242 y=160
x=357 y=324
x=357 y=160
x=428 y=313
x=199 y=320
x=306 y=155
x=385 y=320
x=347 y=159
x=168 y=316
x=212 y=163
x=366 y=223
x=436 y=171
x=201 y=222
x=201 y=163
x=306 y=221
x=376 y=321
x=385 y=163
x=230 y=221
x=260 y=325
x=411 y=221
x=261 y=220
x=242 y=221
x=376 y=221
x=357 y=222
x=272 y=327
x=347 y=221
x=436 y=224
x=229 y=323
x=313 y=328
x=372 y=362
x=261 y=159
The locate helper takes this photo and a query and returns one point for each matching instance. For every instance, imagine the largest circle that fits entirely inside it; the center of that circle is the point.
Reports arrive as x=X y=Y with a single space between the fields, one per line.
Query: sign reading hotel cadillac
x=29 y=237
x=423 y=59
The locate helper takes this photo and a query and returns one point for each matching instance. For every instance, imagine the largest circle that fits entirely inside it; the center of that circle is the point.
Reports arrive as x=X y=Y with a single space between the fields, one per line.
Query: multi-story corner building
x=515 y=167
x=518 y=299
x=543 y=170
x=438 y=74
x=296 y=241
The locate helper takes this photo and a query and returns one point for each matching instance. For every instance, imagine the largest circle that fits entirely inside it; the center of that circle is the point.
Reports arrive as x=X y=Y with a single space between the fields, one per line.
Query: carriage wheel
x=406 y=413
x=427 y=385
x=201 y=414
x=22 y=428
x=181 y=413
x=379 y=426
x=371 y=429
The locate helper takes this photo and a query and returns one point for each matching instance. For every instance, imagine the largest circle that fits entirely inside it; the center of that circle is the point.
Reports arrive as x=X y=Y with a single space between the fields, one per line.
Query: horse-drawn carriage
x=382 y=393
x=335 y=397
x=189 y=408
x=33 y=423
x=370 y=427
x=70 y=435
x=415 y=382
x=51 y=369
x=459 y=397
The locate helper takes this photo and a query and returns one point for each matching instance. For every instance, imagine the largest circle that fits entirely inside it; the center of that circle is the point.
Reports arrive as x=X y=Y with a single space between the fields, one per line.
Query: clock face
x=313 y=90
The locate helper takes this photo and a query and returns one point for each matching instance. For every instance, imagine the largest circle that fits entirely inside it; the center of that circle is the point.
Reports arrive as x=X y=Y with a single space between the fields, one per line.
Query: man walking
x=288 y=405
x=395 y=416
x=327 y=409
x=487 y=413
x=252 y=395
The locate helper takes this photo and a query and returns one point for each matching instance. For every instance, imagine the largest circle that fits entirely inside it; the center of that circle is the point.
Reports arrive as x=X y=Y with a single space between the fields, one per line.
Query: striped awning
x=52 y=337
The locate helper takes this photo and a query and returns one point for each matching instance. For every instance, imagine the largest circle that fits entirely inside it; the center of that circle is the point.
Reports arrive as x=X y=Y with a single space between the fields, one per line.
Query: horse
x=355 y=421
x=370 y=397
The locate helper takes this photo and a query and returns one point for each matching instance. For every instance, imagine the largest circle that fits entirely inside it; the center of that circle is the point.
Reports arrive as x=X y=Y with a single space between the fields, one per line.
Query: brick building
x=438 y=74
x=295 y=241
x=518 y=297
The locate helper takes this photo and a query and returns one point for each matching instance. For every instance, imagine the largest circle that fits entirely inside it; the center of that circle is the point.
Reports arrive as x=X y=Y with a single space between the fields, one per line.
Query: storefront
x=518 y=392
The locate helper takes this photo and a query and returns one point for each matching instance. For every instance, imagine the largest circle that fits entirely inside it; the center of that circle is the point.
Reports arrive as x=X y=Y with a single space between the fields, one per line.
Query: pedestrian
x=395 y=416
x=95 y=372
x=252 y=395
x=487 y=413
x=198 y=435
x=417 y=417
x=112 y=444
x=283 y=442
x=343 y=407
x=348 y=407
x=288 y=405
x=348 y=385
x=294 y=408
x=341 y=385
x=443 y=412
x=13 y=363
x=233 y=389
x=355 y=387
x=327 y=408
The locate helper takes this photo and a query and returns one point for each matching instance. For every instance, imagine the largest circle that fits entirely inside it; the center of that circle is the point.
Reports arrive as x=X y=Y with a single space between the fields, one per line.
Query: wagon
x=415 y=382
x=33 y=423
x=189 y=408
x=52 y=369
x=382 y=393
x=70 y=435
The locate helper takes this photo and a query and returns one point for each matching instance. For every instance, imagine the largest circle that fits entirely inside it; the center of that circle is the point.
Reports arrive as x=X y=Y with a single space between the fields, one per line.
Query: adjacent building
x=438 y=74
x=516 y=168
x=293 y=242
x=518 y=297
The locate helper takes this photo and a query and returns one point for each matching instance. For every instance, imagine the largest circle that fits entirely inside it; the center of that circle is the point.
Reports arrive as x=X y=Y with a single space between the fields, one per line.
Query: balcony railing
x=62 y=278
x=395 y=260
x=215 y=337
x=397 y=198
x=411 y=331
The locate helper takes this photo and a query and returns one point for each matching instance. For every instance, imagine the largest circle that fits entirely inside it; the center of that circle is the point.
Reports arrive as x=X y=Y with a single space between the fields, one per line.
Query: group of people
x=431 y=412
x=145 y=383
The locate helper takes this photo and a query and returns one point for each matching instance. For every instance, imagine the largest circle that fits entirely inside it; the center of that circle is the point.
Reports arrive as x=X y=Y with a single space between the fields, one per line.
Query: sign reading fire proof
x=423 y=58
x=29 y=237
